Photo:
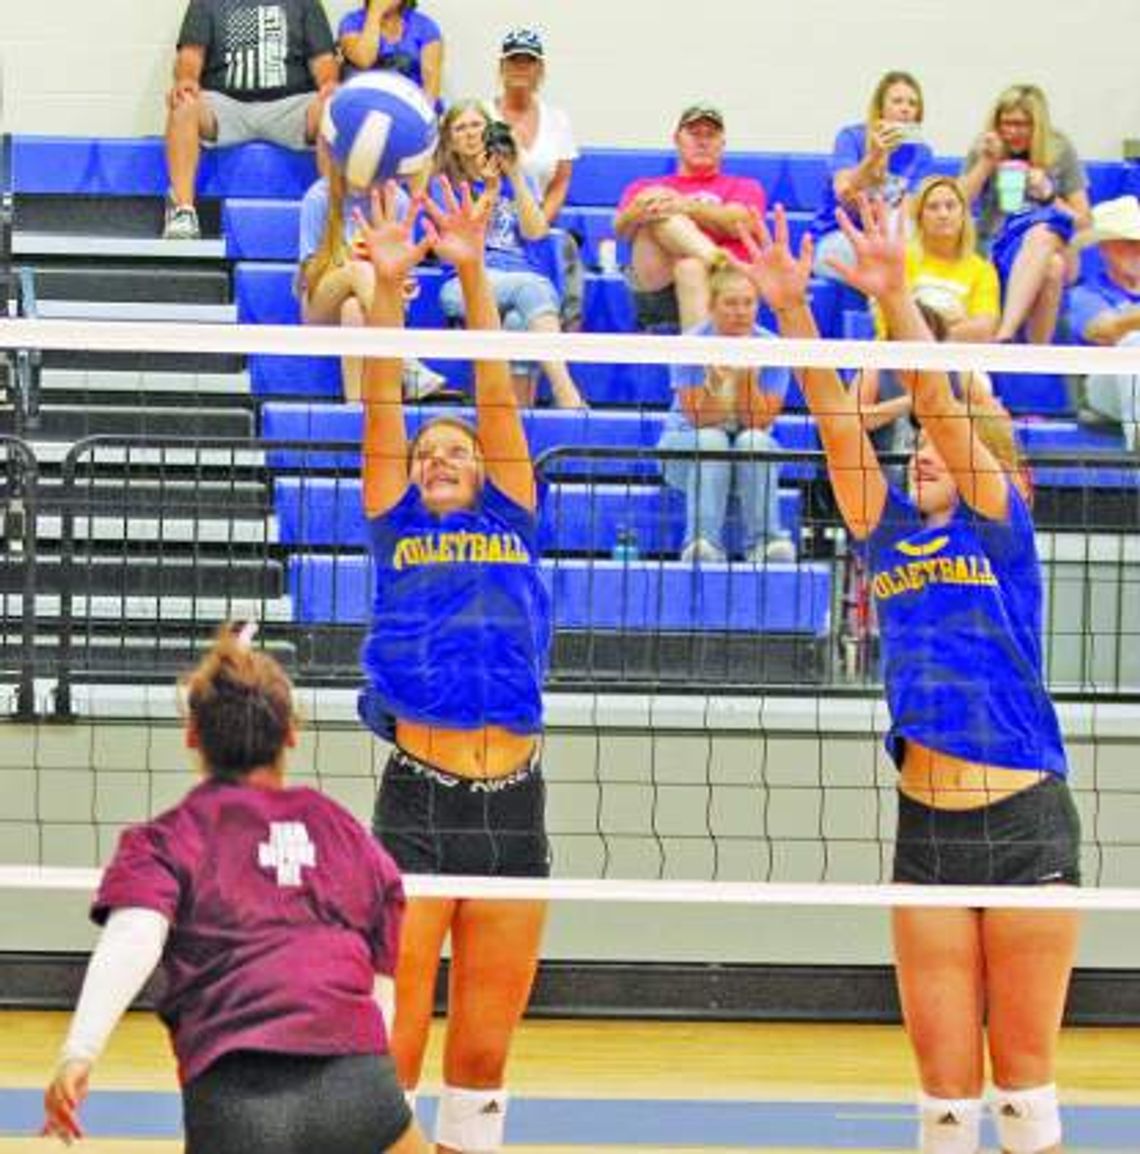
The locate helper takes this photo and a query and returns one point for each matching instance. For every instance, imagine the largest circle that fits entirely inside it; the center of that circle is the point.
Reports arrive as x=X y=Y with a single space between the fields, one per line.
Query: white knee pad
x=410 y=1097
x=949 y=1125
x=1027 y=1121
x=471 y=1120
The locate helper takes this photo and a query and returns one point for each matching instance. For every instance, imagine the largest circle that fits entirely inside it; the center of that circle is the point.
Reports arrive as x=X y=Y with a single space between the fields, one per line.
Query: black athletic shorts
x=433 y=822
x=250 y=1102
x=1030 y=838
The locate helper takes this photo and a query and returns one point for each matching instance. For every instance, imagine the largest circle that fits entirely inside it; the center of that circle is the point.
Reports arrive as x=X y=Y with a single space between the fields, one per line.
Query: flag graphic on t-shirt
x=257 y=39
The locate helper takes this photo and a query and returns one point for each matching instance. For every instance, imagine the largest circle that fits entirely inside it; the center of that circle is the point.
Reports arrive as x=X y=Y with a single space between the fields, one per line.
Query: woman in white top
x=545 y=140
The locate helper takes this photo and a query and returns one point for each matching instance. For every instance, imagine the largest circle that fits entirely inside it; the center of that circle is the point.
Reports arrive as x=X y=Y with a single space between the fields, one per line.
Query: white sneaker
x=420 y=381
x=777 y=549
x=699 y=550
x=181 y=223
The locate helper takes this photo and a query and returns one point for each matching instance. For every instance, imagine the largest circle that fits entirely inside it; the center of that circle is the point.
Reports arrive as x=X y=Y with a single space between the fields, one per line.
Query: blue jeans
x=707 y=485
x=521 y=297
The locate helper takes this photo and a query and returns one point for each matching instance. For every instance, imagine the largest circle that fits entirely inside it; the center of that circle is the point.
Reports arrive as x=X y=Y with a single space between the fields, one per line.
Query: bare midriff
x=475 y=753
x=945 y=782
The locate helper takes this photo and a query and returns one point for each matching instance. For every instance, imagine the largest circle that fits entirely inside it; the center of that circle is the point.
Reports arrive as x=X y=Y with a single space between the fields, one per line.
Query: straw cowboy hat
x=1117 y=219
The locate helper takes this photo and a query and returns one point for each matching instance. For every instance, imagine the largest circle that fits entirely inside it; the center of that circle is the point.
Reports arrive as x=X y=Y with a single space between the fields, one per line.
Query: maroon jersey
x=282 y=908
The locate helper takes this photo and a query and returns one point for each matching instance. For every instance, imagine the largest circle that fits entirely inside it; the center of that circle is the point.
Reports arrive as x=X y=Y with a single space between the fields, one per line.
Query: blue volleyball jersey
x=461 y=630
x=960 y=619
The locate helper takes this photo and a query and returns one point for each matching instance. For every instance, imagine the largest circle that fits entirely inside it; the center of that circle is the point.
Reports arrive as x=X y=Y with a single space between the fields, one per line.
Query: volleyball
x=379 y=126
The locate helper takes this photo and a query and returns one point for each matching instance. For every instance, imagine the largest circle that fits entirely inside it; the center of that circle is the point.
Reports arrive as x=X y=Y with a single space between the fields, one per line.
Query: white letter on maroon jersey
x=286 y=851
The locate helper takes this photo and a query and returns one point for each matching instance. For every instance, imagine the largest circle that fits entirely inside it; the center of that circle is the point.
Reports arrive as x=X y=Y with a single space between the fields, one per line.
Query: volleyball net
x=715 y=720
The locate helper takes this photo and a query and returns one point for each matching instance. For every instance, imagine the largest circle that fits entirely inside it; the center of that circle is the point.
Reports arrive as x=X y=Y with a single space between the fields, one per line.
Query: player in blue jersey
x=982 y=792
x=454 y=660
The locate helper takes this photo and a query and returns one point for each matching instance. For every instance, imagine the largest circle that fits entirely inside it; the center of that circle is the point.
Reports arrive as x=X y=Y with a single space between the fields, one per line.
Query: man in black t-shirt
x=245 y=70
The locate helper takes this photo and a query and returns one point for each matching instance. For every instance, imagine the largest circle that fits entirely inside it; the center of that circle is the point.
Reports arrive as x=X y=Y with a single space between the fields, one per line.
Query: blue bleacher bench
x=628 y=386
x=261 y=228
x=136 y=166
x=546 y=429
x=601 y=174
x=265 y=292
x=1038 y=394
x=268 y=229
x=608 y=595
x=315 y=512
x=265 y=295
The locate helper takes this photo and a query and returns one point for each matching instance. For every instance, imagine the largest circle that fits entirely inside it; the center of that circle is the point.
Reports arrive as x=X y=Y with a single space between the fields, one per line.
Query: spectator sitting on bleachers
x=885 y=394
x=883 y=158
x=546 y=147
x=683 y=225
x=1104 y=309
x=480 y=152
x=336 y=280
x=245 y=70
x=1029 y=186
x=943 y=268
x=392 y=35
x=717 y=408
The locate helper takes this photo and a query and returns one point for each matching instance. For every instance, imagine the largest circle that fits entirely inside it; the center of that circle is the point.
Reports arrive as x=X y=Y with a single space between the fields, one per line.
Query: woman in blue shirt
x=525 y=295
x=392 y=35
x=983 y=798
x=454 y=663
x=716 y=408
x=883 y=158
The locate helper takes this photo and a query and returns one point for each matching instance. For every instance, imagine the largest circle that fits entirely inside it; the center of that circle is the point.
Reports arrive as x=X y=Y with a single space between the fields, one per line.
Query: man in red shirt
x=683 y=225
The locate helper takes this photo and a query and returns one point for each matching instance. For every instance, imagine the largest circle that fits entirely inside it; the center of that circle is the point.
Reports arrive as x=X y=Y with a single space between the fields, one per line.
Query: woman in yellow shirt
x=956 y=289
x=943 y=269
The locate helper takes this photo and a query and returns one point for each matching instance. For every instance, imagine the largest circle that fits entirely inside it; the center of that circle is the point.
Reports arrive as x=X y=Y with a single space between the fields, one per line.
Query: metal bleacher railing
x=118 y=573
x=19 y=572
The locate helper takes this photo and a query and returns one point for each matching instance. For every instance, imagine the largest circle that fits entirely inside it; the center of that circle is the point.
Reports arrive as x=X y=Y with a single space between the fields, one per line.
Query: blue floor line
x=618 y=1122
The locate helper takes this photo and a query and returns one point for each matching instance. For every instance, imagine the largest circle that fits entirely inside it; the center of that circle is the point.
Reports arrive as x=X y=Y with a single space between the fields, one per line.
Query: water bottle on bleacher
x=625 y=545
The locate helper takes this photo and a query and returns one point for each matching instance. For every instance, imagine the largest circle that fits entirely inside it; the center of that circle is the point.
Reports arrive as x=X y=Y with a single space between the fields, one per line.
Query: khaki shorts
x=283 y=121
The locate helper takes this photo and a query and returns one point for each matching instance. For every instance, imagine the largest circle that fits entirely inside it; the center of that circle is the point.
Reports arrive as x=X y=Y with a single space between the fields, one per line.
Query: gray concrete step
x=91 y=420
x=139 y=382
x=115 y=247
x=99 y=310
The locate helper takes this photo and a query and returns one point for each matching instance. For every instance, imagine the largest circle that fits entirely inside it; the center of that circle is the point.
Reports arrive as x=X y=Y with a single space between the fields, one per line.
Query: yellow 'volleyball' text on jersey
x=914 y=576
x=460 y=547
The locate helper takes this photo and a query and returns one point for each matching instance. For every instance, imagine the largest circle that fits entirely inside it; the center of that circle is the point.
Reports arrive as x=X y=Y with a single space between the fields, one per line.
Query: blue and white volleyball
x=379 y=126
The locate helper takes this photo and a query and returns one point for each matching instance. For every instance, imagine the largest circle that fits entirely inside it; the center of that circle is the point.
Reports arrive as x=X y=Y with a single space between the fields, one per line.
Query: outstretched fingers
x=755 y=236
x=780 y=234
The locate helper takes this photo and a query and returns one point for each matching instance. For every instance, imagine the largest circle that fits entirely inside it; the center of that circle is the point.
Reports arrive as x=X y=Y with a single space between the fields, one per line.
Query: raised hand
x=387 y=241
x=879 y=246
x=1038 y=185
x=460 y=223
x=780 y=277
x=991 y=146
x=886 y=138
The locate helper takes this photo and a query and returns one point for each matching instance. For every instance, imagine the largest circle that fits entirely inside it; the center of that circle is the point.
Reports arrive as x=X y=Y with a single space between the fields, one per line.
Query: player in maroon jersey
x=275 y=917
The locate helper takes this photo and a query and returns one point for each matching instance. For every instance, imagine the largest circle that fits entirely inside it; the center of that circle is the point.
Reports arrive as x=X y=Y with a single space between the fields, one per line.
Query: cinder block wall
x=787 y=75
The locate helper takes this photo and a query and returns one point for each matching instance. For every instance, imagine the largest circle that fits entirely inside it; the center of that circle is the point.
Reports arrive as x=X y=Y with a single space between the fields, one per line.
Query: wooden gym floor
x=619 y=1088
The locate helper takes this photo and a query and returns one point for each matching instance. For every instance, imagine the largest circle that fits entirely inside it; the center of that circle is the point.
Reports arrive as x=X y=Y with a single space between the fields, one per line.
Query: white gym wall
x=787 y=75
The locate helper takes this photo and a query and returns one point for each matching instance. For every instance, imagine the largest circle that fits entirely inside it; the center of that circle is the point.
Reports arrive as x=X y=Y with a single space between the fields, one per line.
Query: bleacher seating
x=316 y=512
x=339 y=427
x=316 y=496
x=609 y=595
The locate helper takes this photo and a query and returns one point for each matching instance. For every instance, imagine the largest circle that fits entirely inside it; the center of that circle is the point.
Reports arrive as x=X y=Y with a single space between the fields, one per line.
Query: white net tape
x=587 y=348
x=800 y=894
